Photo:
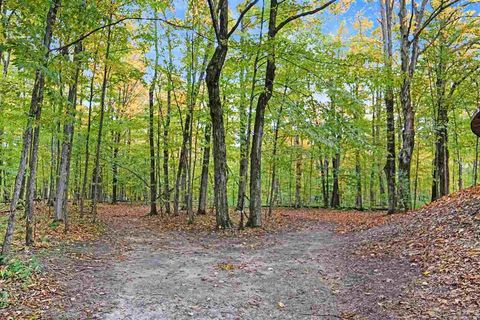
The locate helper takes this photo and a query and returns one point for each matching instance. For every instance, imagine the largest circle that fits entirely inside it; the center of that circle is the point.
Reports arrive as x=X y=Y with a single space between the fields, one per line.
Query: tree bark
x=214 y=70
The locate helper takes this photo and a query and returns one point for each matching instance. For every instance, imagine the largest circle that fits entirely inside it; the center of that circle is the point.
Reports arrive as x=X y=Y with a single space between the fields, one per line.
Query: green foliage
x=19 y=270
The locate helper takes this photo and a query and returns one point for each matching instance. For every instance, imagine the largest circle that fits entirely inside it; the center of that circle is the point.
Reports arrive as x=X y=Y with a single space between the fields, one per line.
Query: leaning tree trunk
x=35 y=104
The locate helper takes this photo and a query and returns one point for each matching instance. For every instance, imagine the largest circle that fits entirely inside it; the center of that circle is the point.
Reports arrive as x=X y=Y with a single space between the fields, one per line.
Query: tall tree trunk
x=83 y=192
x=245 y=132
x=390 y=167
x=62 y=182
x=255 y=217
x=166 y=129
x=151 y=105
x=214 y=70
x=409 y=53
x=35 y=114
x=96 y=177
x=218 y=129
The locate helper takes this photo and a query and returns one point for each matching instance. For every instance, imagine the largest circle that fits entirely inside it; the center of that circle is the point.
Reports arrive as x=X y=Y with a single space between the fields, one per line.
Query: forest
x=197 y=120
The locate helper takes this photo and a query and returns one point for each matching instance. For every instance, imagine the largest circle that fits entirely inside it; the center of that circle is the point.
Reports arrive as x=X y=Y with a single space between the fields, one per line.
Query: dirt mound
x=443 y=240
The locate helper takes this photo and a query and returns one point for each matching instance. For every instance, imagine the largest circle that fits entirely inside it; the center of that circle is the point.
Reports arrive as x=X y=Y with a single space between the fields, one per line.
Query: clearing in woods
x=301 y=270
x=304 y=264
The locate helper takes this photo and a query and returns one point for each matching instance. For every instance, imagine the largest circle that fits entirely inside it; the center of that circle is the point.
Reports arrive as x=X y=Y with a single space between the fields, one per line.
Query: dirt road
x=298 y=274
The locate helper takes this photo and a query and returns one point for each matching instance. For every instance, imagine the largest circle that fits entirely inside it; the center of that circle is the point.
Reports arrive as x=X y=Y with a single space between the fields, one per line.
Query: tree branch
x=111 y=24
x=434 y=14
x=213 y=16
x=242 y=14
x=303 y=14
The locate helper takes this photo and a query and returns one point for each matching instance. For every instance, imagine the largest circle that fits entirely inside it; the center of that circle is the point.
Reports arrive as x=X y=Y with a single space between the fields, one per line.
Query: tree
x=255 y=216
x=219 y=17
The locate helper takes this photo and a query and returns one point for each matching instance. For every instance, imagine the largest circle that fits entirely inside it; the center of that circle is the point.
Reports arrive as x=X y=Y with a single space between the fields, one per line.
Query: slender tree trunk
x=358 y=175
x=83 y=192
x=390 y=166
x=96 y=179
x=182 y=164
x=62 y=182
x=151 y=105
x=246 y=132
x=116 y=142
x=274 y=159
x=415 y=188
x=36 y=109
x=166 y=129
x=459 y=158
x=255 y=217
x=298 y=174
x=324 y=178
x=202 y=199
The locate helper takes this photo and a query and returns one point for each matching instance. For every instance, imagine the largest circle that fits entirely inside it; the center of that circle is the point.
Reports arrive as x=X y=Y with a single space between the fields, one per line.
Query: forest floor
x=305 y=264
